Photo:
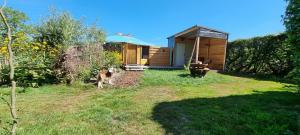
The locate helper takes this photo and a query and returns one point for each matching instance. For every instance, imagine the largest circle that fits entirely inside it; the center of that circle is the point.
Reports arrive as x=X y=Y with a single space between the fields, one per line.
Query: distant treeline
x=267 y=55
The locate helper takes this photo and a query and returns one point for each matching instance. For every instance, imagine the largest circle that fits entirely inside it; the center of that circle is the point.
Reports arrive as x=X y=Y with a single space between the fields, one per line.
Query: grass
x=165 y=102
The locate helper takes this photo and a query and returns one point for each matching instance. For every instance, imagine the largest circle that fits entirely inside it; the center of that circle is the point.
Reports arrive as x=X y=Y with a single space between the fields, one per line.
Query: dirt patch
x=64 y=103
x=126 y=78
x=155 y=94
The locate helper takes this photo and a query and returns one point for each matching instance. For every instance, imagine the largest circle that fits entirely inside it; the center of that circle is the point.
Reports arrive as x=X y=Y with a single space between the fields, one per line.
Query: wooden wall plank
x=159 y=56
x=210 y=48
x=138 y=53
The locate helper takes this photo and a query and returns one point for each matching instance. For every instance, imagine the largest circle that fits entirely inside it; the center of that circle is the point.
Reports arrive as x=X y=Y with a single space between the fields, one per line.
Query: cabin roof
x=127 y=39
x=194 y=28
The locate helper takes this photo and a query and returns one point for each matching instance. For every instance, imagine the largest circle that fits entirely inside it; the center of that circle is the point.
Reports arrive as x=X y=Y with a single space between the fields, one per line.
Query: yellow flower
x=35 y=47
x=3 y=49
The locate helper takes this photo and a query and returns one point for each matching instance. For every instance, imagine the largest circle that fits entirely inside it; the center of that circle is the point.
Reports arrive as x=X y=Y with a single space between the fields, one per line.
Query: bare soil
x=127 y=78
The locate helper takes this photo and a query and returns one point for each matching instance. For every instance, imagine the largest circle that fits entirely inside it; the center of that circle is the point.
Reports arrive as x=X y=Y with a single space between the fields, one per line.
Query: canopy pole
x=197 y=48
x=192 y=55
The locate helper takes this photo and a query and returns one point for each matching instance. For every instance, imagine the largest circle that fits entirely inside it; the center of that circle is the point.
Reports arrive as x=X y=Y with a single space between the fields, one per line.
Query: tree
x=60 y=29
x=292 y=23
x=32 y=67
x=12 y=103
x=16 y=21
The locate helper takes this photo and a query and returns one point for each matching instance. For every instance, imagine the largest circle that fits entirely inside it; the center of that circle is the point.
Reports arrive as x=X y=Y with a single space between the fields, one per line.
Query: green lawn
x=165 y=102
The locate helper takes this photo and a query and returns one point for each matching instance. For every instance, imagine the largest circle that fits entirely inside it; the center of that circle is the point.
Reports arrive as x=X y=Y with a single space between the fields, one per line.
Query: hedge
x=267 y=55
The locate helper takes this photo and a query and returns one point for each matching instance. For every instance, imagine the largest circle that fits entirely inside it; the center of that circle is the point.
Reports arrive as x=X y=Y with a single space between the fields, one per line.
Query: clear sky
x=154 y=20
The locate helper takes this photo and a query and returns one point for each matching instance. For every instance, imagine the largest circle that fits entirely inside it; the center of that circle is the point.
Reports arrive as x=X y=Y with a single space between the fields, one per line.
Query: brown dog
x=103 y=75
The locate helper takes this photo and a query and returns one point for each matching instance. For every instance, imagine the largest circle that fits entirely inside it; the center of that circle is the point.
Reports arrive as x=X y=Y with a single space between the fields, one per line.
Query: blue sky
x=154 y=20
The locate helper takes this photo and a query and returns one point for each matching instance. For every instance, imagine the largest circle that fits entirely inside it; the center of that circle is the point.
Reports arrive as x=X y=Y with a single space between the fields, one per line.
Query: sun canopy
x=126 y=39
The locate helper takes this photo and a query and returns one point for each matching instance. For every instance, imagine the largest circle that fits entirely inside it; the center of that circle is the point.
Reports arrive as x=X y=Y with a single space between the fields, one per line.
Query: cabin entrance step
x=136 y=67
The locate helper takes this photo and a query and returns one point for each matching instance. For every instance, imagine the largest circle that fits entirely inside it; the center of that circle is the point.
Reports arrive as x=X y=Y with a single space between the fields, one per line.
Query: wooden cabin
x=208 y=45
x=145 y=55
x=139 y=54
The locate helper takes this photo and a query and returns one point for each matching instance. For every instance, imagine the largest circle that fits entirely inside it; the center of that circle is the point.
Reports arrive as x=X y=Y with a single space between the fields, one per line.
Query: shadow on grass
x=259 y=77
x=259 y=113
x=190 y=76
x=184 y=75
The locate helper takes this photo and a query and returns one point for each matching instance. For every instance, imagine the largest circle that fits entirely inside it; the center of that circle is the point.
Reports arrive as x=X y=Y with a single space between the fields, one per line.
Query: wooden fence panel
x=159 y=56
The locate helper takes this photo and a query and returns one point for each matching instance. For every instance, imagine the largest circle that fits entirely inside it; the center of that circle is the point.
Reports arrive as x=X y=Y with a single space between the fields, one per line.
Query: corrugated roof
x=126 y=39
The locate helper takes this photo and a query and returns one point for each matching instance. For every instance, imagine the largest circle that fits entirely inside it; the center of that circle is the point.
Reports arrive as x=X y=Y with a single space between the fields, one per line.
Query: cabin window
x=145 y=52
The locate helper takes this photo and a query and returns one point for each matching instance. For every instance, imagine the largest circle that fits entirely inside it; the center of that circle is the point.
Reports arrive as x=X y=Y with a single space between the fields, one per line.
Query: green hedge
x=291 y=21
x=268 y=55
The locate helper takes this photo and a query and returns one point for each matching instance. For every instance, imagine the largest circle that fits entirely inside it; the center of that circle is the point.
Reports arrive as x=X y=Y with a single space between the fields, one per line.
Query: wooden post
x=138 y=54
x=174 y=53
x=197 y=48
x=225 y=48
x=122 y=52
x=208 y=48
x=192 y=54
x=126 y=54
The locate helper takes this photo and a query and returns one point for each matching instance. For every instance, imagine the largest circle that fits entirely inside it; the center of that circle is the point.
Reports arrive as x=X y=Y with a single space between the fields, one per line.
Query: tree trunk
x=12 y=72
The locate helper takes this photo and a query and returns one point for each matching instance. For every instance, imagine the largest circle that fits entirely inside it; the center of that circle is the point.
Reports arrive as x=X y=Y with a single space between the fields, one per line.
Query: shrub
x=31 y=65
x=112 y=59
x=85 y=75
x=60 y=49
x=268 y=55
x=75 y=63
x=105 y=60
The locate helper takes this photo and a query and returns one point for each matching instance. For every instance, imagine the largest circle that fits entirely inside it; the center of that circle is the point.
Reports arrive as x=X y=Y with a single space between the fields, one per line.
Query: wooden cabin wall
x=126 y=53
x=209 y=48
x=124 y=47
x=159 y=56
x=203 y=48
x=139 y=54
x=131 y=54
x=213 y=49
x=218 y=55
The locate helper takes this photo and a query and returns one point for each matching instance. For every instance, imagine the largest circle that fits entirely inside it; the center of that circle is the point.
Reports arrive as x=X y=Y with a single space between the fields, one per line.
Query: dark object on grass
x=198 y=69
